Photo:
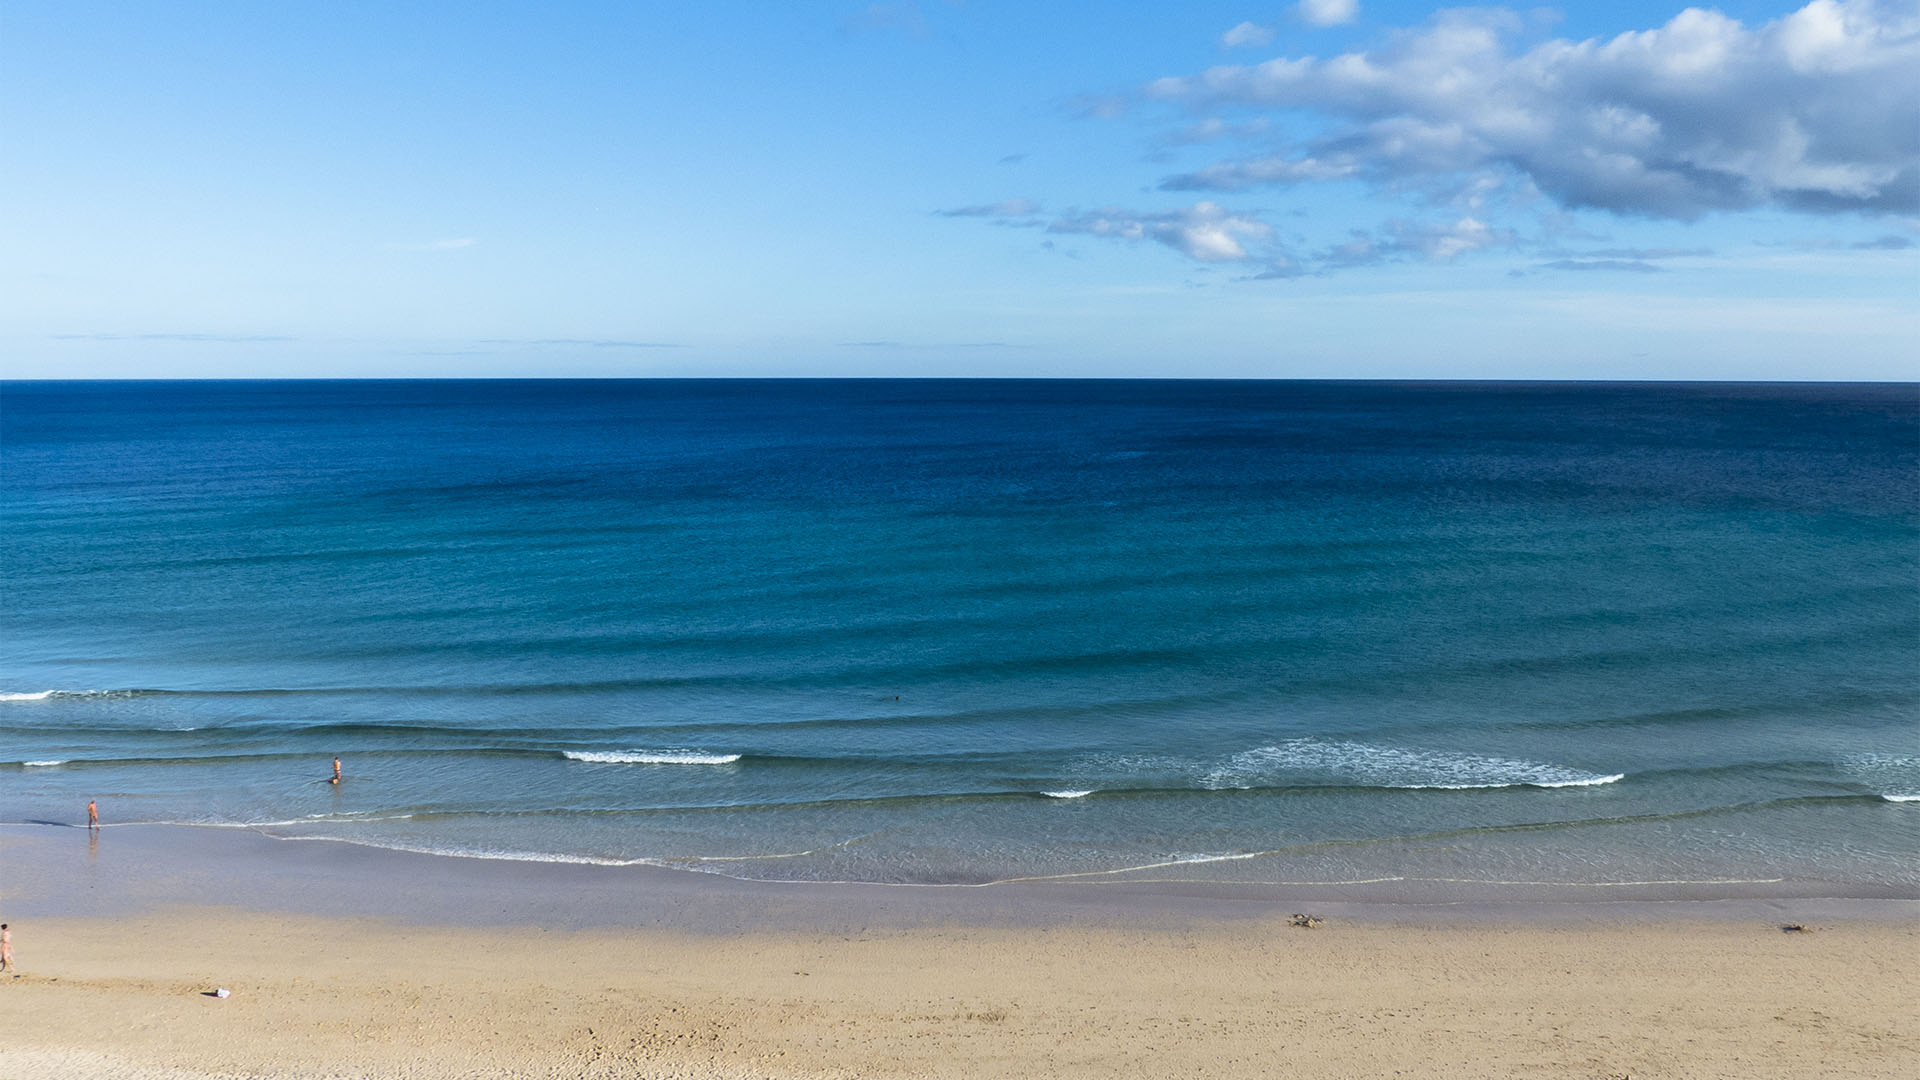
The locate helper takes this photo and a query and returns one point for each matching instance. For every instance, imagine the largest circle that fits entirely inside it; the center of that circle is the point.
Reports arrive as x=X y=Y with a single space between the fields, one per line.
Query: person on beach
x=6 y=948
x=93 y=814
x=336 y=772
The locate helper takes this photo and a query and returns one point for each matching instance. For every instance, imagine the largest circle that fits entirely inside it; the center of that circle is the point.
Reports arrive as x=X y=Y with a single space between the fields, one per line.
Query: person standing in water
x=336 y=772
x=93 y=814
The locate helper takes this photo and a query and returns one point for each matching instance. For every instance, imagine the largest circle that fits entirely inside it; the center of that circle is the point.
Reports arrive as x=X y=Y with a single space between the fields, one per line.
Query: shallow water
x=967 y=631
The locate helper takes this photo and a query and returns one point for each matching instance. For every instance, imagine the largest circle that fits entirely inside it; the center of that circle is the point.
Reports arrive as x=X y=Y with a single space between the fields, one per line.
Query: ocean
x=959 y=632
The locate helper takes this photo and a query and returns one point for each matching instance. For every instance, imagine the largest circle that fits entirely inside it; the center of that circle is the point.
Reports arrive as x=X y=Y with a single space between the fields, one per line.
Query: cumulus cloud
x=1247 y=34
x=1328 y=12
x=1813 y=112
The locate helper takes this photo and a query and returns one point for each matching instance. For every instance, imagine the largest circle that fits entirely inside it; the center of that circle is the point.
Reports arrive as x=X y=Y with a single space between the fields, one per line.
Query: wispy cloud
x=1209 y=233
x=1205 y=231
x=1005 y=208
x=1429 y=241
x=1213 y=129
x=587 y=343
x=1642 y=253
x=1889 y=242
x=1634 y=266
x=885 y=344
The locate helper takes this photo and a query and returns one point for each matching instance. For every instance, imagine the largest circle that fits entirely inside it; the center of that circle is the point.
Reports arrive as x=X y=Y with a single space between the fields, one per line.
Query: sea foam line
x=1068 y=794
x=1391 y=767
x=481 y=853
x=44 y=764
x=1889 y=798
x=1585 y=781
x=1436 y=880
x=683 y=863
x=52 y=695
x=649 y=757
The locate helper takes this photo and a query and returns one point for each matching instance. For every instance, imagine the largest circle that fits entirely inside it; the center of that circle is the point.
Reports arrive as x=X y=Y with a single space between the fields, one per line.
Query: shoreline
x=359 y=962
x=129 y=869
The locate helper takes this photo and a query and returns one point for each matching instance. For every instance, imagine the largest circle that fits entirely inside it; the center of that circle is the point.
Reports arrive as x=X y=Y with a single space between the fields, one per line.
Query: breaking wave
x=650 y=757
x=1308 y=761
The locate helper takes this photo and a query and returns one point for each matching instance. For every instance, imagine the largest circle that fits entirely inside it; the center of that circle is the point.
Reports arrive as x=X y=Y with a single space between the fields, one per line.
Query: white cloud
x=1814 y=111
x=1204 y=231
x=1247 y=34
x=1442 y=243
x=1328 y=12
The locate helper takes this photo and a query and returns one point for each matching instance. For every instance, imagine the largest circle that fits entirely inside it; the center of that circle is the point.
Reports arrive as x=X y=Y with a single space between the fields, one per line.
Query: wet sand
x=353 y=963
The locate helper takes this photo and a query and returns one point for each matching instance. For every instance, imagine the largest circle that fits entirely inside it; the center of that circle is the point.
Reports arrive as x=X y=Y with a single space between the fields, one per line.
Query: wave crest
x=650 y=757
x=63 y=695
x=1365 y=765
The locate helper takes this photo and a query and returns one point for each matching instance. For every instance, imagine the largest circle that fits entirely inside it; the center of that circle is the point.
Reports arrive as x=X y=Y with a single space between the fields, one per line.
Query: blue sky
x=1318 y=189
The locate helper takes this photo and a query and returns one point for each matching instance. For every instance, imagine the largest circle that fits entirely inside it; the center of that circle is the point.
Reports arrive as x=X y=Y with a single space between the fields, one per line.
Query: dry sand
x=316 y=996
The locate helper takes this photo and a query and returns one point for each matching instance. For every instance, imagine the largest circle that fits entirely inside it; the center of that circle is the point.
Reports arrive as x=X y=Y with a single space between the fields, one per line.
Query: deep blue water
x=970 y=630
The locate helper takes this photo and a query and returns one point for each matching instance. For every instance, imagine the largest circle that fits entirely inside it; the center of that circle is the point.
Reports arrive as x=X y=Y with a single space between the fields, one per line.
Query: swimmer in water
x=336 y=772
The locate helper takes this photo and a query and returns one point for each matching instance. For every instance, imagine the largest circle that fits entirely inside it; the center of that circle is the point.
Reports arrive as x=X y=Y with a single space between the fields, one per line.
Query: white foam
x=1067 y=794
x=43 y=764
x=1893 y=777
x=54 y=695
x=1592 y=781
x=1585 y=781
x=482 y=853
x=345 y=817
x=1362 y=764
x=650 y=757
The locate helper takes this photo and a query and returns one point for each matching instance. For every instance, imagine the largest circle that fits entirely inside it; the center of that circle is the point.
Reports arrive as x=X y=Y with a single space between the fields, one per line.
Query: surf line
x=1433 y=880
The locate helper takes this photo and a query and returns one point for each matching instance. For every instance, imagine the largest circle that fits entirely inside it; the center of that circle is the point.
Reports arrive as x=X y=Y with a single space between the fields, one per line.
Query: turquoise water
x=932 y=631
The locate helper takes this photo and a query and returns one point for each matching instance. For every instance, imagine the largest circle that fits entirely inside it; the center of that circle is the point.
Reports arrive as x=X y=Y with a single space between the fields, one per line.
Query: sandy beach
x=115 y=977
x=335 y=997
